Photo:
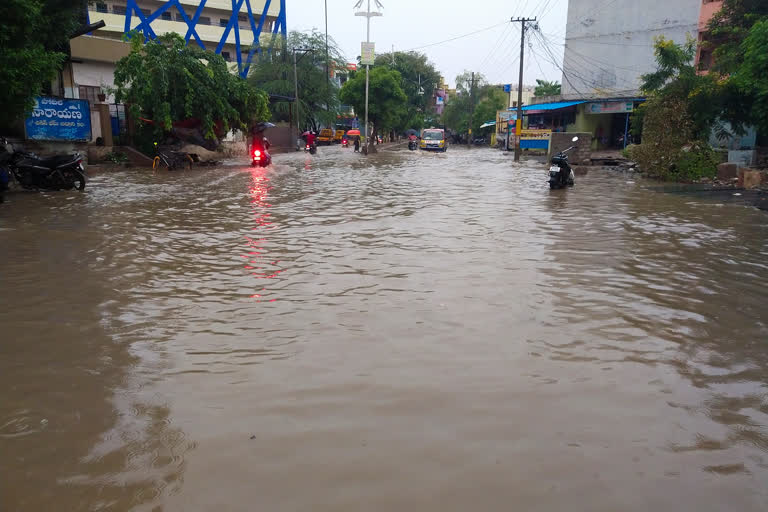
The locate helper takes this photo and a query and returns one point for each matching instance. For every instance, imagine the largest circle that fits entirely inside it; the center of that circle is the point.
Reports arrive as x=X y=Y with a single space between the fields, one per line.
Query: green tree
x=318 y=97
x=676 y=78
x=748 y=85
x=729 y=28
x=33 y=46
x=386 y=103
x=166 y=81
x=419 y=81
x=492 y=99
x=479 y=97
x=678 y=116
x=545 y=88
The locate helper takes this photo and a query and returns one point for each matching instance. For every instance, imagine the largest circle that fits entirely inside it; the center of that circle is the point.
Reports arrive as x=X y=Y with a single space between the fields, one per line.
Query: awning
x=489 y=123
x=551 y=106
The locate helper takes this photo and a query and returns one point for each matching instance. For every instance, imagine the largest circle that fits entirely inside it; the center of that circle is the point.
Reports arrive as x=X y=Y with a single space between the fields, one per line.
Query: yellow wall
x=591 y=123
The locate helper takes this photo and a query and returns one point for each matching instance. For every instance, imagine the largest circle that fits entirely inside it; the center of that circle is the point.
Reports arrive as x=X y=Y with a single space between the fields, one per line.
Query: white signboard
x=367 y=54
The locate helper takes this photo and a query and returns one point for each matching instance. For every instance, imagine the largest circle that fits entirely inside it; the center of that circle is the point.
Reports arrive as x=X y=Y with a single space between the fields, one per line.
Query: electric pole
x=519 y=121
x=327 y=71
x=296 y=88
x=296 y=96
x=471 y=109
x=368 y=15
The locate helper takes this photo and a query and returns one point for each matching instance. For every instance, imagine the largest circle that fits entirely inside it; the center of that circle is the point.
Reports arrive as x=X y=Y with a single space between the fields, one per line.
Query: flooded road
x=407 y=332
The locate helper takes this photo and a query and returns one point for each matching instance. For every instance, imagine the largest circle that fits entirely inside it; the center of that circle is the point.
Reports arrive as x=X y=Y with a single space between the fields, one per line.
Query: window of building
x=166 y=16
x=102 y=7
x=705 y=59
x=146 y=12
x=204 y=20
x=179 y=17
x=226 y=56
x=118 y=9
x=223 y=22
x=90 y=93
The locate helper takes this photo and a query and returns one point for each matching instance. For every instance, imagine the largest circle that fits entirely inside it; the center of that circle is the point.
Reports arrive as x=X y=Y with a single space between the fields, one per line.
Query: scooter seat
x=54 y=161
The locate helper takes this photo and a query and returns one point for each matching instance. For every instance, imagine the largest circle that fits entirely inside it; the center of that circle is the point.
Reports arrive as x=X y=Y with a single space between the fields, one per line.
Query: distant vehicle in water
x=433 y=139
x=325 y=137
x=338 y=135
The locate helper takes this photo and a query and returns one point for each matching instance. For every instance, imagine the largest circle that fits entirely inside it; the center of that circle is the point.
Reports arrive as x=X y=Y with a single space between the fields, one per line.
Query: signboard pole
x=367 y=58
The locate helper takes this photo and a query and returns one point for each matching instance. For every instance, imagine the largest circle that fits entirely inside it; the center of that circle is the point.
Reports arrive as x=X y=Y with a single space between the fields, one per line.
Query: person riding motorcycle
x=311 y=139
x=260 y=142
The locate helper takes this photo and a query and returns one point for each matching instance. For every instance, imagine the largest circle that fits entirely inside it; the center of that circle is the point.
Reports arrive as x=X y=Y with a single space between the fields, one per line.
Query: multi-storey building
x=210 y=24
x=609 y=45
x=704 y=51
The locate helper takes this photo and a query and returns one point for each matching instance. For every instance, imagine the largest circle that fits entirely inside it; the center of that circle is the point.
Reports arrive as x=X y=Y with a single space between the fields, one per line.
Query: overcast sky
x=414 y=24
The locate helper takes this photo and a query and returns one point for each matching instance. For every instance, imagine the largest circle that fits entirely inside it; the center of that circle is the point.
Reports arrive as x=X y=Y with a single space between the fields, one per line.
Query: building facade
x=528 y=95
x=209 y=24
x=608 y=46
x=703 y=51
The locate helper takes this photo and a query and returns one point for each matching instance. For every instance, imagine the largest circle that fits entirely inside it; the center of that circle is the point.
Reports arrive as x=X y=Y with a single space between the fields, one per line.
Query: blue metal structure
x=145 y=25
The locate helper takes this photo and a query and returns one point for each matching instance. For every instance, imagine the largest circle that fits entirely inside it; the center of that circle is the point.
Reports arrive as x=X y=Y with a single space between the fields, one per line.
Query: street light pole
x=368 y=14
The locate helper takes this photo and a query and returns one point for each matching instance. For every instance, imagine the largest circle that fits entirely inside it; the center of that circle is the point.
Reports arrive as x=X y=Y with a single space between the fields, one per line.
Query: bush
x=116 y=157
x=668 y=151
x=695 y=162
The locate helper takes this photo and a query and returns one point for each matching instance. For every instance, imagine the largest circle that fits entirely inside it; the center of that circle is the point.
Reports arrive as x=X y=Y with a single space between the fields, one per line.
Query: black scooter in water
x=561 y=174
x=60 y=172
x=413 y=144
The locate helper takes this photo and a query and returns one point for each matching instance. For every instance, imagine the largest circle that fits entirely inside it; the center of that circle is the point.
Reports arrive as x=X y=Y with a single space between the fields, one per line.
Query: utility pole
x=471 y=109
x=327 y=71
x=368 y=14
x=296 y=95
x=519 y=121
x=296 y=89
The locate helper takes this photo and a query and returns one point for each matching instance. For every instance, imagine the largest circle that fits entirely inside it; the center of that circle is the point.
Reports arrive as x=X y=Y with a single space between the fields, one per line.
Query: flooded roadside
x=413 y=331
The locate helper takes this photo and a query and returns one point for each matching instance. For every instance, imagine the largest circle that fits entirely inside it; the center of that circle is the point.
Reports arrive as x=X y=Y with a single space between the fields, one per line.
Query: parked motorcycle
x=60 y=172
x=561 y=174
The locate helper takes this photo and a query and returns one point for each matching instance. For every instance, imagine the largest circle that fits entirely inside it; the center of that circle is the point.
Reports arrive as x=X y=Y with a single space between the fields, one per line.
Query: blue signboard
x=59 y=119
x=507 y=88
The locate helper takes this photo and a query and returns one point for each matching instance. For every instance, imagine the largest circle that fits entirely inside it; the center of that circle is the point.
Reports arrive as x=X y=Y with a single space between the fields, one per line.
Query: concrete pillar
x=106 y=123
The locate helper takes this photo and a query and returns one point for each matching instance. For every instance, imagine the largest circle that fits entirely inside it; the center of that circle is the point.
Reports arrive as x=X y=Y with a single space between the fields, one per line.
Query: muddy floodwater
x=426 y=332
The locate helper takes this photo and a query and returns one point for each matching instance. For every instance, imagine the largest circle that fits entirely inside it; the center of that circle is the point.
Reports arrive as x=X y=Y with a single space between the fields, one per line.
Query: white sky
x=409 y=24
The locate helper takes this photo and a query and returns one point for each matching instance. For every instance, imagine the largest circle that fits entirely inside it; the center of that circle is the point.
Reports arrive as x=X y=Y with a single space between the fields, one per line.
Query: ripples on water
x=392 y=327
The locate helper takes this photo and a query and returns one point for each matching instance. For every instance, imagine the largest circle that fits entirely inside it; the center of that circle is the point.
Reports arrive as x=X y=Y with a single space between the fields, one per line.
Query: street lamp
x=368 y=14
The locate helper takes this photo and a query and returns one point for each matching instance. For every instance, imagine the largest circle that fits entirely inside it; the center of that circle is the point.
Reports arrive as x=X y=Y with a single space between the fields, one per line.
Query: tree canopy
x=419 y=81
x=478 y=96
x=386 y=103
x=545 y=88
x=676 y=78
x=33 y=47
x=318 y=96
x=166 y=81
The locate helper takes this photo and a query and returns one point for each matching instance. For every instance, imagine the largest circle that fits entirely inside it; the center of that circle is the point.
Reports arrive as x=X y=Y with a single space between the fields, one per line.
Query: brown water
x=409 y=332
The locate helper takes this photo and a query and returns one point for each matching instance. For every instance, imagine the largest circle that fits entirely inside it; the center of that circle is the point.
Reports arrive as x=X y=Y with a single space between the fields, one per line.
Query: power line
x=457 y=37
x=504 y=33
